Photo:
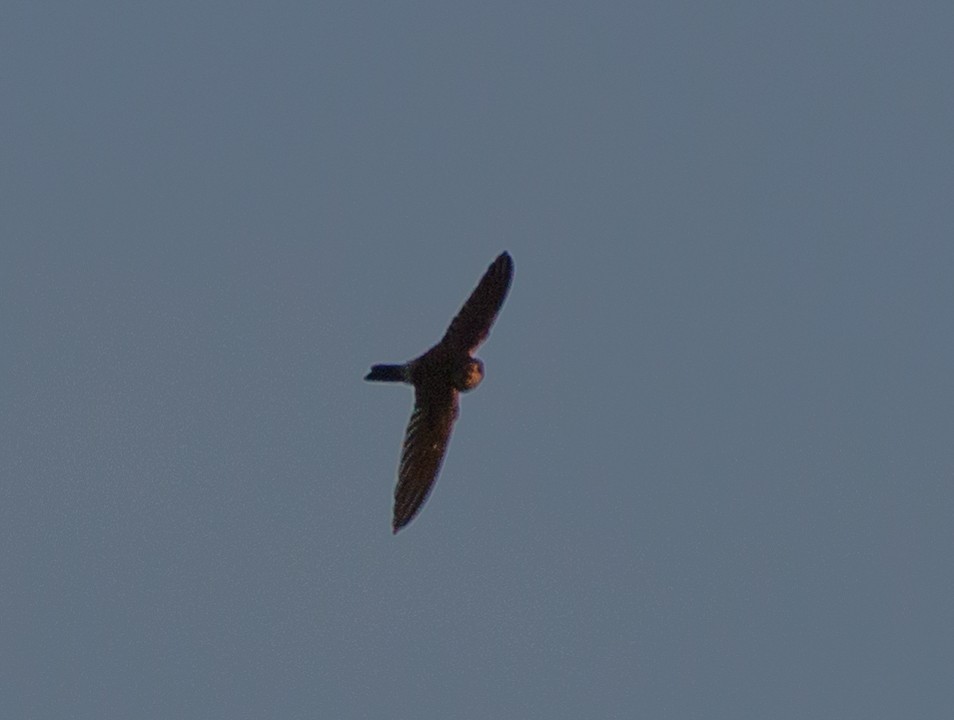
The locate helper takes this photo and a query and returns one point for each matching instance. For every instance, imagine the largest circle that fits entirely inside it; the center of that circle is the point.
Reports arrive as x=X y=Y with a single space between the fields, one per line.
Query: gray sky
x=709 y=473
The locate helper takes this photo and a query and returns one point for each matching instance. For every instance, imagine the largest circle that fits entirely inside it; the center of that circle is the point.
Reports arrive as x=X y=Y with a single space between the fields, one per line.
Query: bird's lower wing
x=425 y=442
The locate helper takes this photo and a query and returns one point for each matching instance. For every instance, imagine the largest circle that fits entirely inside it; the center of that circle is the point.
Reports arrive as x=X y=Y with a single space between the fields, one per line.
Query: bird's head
x=469 y=375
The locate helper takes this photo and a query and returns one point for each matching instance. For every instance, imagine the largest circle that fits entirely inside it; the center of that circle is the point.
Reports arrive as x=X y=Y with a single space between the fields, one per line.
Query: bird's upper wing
x=425 y=442
x=472 y=324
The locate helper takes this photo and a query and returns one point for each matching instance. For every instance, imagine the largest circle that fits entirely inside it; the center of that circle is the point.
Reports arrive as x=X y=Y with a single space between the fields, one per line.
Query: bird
x=438 y=377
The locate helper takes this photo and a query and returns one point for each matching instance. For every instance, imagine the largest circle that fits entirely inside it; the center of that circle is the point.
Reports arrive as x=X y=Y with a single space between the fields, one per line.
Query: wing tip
x=501 y=270
x=398 y=524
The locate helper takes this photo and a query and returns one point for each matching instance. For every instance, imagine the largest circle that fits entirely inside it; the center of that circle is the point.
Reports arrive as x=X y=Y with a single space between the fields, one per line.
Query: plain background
x=708 y=475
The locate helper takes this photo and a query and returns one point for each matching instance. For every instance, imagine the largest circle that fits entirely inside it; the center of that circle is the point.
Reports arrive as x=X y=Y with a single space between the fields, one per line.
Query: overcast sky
x=709 y=474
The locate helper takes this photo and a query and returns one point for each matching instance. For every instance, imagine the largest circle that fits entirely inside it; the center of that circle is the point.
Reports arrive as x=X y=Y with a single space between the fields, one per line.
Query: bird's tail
x=386 y=373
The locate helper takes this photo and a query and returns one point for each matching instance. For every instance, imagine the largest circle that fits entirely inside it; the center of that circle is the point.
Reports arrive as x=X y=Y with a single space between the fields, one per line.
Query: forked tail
x=386 y=373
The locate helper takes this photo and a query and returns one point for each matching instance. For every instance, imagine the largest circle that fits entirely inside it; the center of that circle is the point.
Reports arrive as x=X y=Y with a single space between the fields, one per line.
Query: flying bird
x=439 y=376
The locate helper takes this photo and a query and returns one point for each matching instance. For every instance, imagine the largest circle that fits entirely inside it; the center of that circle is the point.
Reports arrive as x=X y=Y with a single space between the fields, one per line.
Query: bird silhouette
x=439 y=376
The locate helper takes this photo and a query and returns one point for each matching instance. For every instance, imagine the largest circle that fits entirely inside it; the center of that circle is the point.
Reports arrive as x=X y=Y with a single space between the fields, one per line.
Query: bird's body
x=438 y=376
